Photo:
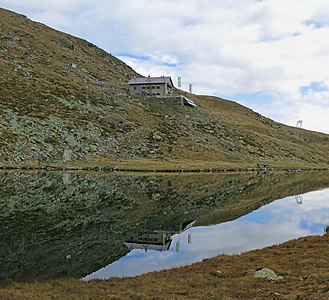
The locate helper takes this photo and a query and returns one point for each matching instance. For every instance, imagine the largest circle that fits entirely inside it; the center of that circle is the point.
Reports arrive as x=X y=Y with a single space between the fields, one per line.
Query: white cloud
x=273 y=47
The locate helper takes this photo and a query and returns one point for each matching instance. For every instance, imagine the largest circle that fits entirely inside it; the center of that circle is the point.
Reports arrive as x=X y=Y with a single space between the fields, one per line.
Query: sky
x=269 y=55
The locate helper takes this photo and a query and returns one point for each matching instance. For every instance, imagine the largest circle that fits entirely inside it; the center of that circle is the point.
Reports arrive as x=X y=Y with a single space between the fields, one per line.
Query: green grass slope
x=59 y=92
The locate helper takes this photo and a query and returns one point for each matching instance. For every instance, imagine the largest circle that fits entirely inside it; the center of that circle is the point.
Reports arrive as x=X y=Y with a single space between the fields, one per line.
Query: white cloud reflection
x=274 y=223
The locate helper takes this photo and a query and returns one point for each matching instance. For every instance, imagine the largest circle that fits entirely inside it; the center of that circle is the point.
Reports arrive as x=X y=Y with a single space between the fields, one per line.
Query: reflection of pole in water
x=298 y=196
x=299 y=199
x=189 y=237
x=67 y=178
x=178 y=241
x=182 y=228
x=177 y=245
x=326 y=229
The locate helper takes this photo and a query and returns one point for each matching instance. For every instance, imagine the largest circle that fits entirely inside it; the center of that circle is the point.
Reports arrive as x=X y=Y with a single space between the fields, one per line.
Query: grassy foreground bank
x=303 y=263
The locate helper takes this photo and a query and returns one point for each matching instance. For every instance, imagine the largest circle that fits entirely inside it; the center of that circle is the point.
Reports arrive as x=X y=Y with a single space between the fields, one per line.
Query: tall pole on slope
x=298 y=130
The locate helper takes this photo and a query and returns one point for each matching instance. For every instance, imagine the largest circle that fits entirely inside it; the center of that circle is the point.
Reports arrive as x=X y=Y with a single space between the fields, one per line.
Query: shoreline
x=134 y=168
x=300 y=268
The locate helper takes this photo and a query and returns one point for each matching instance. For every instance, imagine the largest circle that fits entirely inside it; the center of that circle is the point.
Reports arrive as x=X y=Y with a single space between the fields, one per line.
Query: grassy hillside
x=59 y=92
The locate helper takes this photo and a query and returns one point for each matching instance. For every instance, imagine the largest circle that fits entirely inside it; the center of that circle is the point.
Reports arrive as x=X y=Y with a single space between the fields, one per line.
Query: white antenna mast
x=298 y=130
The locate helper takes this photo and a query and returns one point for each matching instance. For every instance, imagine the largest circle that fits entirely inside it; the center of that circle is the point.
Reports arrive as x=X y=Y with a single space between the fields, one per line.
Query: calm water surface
x=277 y=222
x=86 y=225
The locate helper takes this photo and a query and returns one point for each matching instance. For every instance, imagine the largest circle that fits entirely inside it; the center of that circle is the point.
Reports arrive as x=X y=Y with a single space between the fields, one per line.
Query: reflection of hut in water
x=159 y=240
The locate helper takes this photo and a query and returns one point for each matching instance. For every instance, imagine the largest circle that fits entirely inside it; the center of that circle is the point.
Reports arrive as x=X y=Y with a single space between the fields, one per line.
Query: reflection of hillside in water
x=56 y=225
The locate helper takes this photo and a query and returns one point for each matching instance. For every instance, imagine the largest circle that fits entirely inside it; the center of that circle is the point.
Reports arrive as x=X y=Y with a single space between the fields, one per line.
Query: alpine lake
x=93 y=225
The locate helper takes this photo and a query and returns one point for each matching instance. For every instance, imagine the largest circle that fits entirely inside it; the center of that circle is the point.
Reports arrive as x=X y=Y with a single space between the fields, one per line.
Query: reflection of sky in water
x=274 y=223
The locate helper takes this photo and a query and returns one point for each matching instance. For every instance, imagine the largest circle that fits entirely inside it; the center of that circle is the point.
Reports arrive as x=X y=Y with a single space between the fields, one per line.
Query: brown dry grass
x=303 y=263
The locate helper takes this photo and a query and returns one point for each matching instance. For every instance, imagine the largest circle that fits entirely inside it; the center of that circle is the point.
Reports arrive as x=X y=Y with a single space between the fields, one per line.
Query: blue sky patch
x=135 y=56
x=168 y=64
x=252 y=98
x=259 y=216
x=145 y=58
x=314 y=228
x=314 y=23
x=314 y=86
x=265 y=38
